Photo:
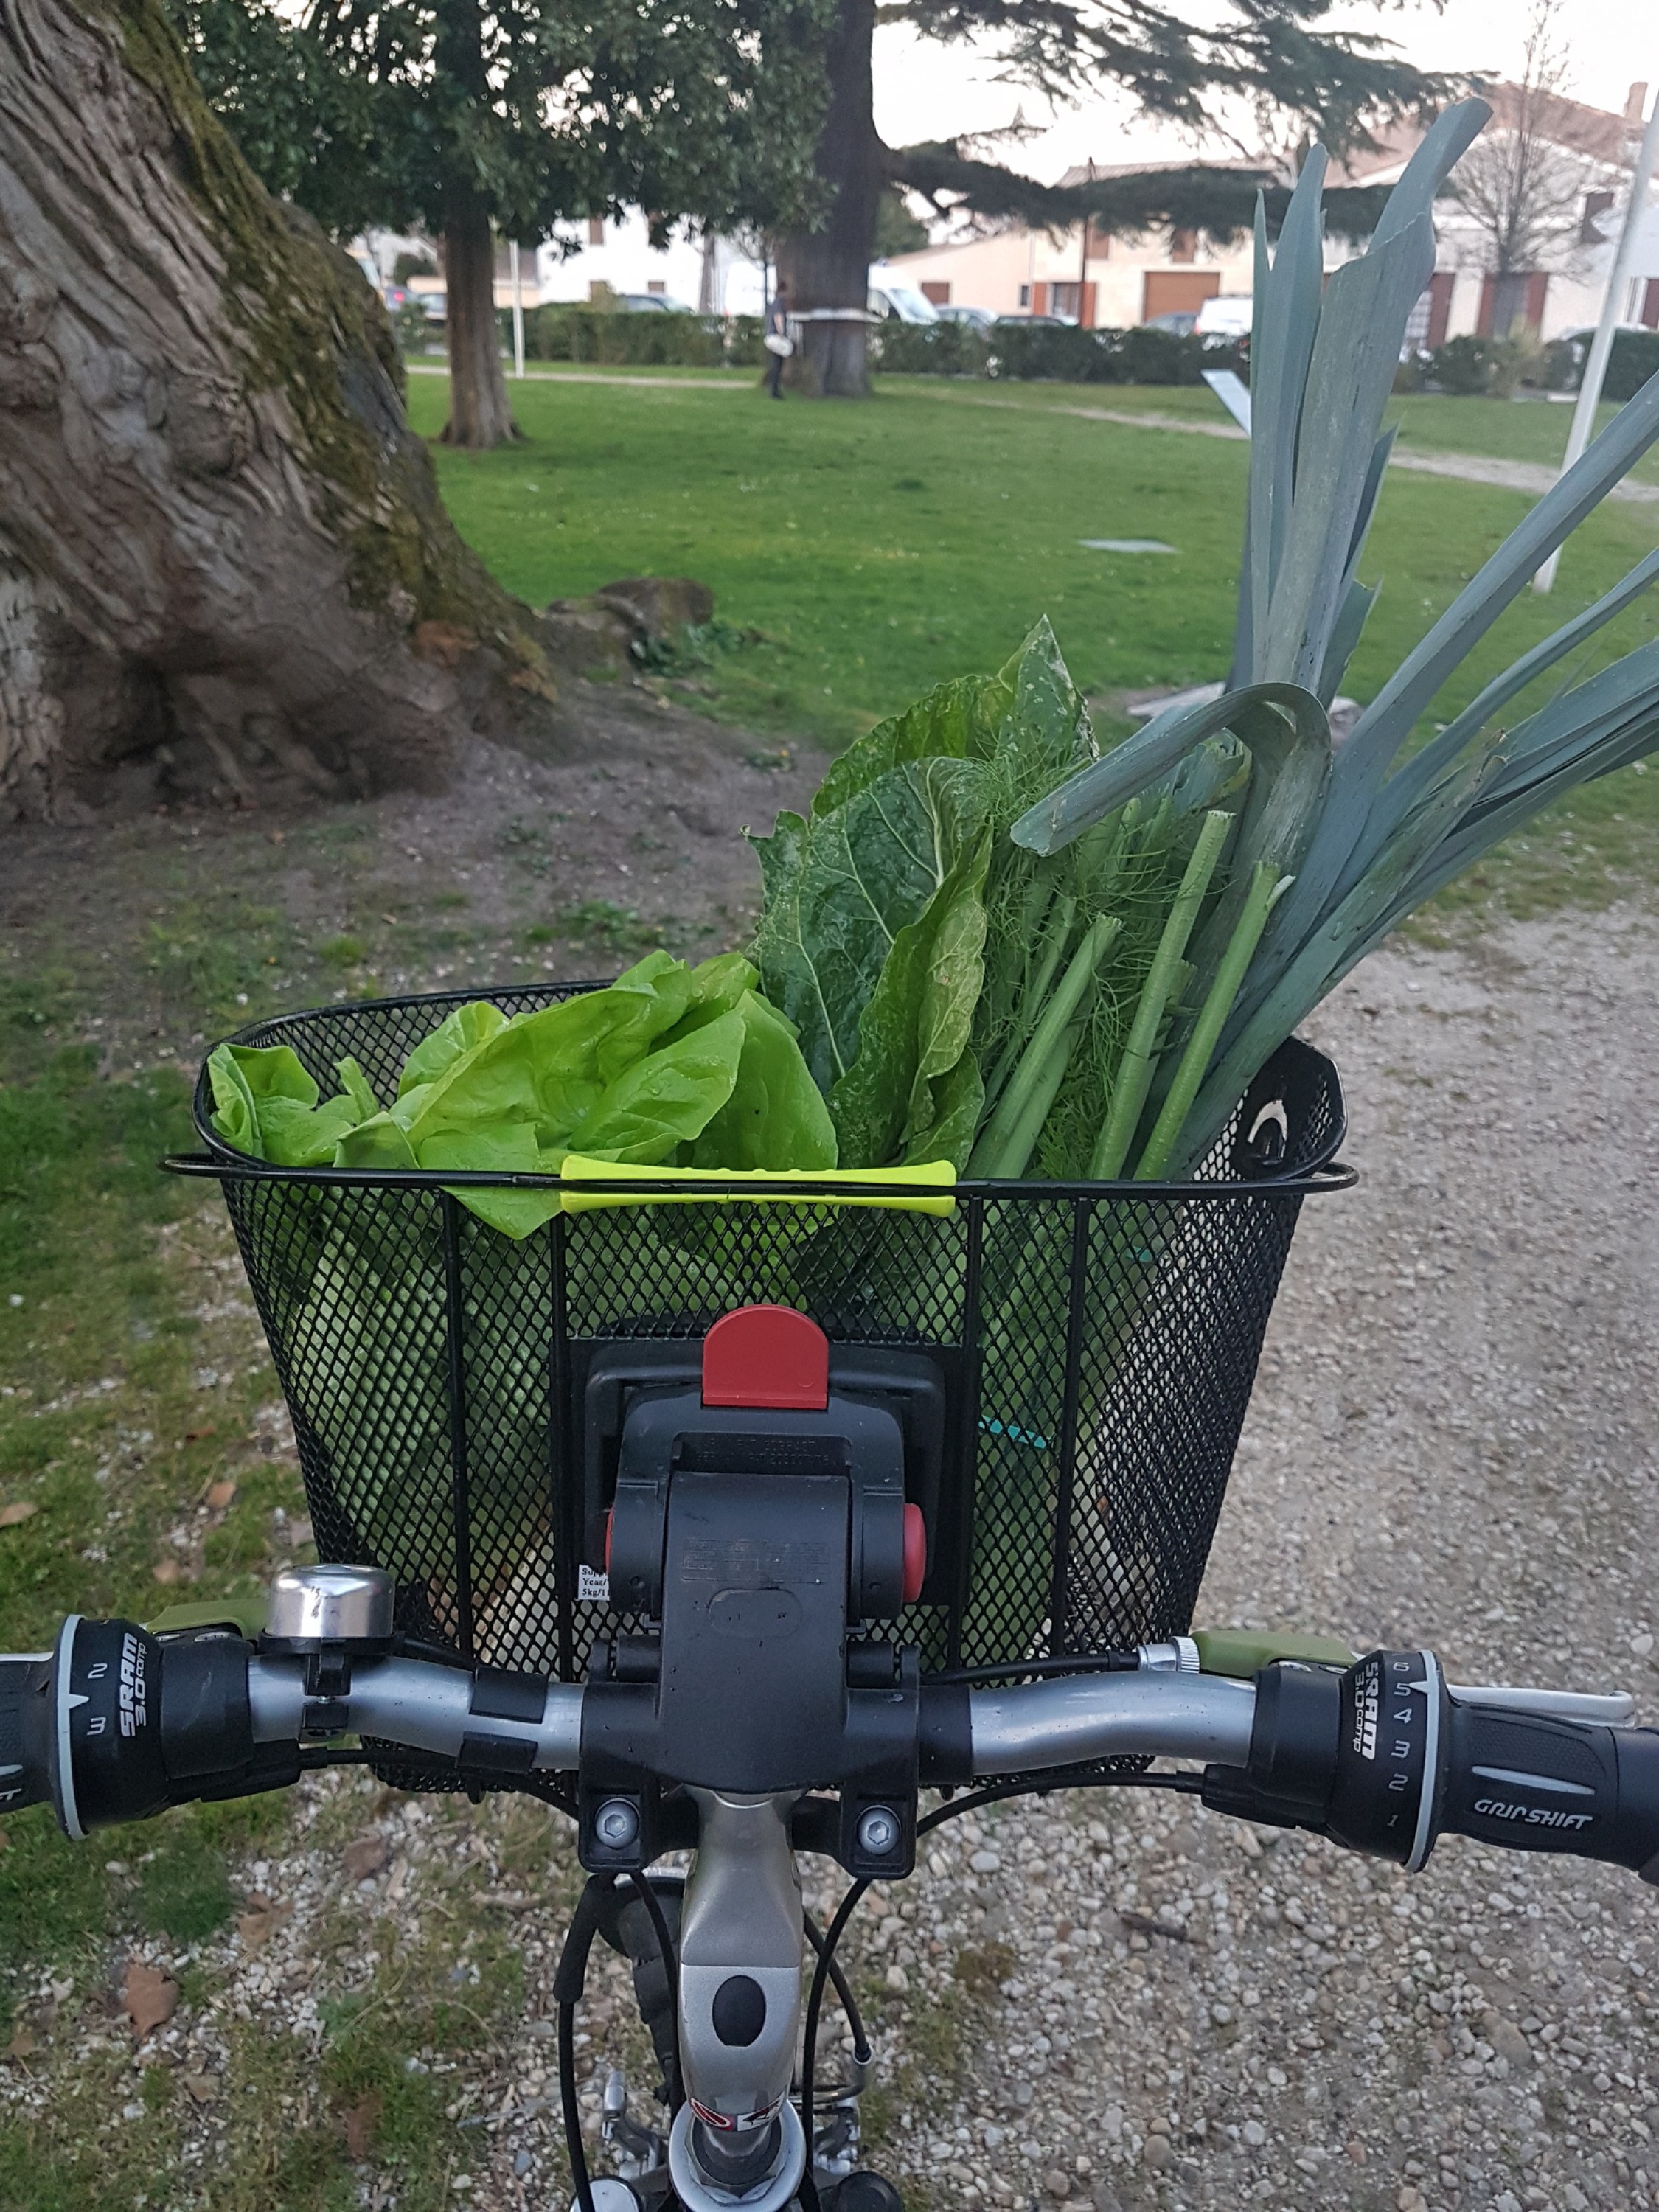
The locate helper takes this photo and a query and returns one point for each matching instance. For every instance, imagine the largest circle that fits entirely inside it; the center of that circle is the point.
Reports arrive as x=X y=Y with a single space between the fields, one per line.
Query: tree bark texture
x=829 y=270
x=224 y=568
x=479 y=414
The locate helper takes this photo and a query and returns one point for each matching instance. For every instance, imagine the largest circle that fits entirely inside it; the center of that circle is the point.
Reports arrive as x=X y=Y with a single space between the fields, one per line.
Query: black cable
x=575 y=2150
x=652 y=1904
x=569 y=1980
x=1185 y=1784
x=843 y=1991
x=832 y=1934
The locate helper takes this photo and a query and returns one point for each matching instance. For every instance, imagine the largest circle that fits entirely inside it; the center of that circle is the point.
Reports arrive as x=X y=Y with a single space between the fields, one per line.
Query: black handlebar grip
x=1535 y=1783
x=26 y=1715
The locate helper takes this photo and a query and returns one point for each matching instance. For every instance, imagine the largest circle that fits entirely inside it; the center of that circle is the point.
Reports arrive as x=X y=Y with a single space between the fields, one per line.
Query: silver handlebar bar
x=1074 y=1721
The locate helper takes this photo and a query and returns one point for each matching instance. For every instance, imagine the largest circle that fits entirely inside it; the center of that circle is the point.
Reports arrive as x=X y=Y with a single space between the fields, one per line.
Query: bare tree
x=1524 y=194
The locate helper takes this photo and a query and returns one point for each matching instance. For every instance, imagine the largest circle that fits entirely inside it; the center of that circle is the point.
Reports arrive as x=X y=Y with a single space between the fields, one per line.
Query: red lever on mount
x=767 y=1356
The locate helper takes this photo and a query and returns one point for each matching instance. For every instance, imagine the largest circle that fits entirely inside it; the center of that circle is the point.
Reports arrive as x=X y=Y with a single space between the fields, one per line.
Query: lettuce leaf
x=265 y=1105
x=775 y=1116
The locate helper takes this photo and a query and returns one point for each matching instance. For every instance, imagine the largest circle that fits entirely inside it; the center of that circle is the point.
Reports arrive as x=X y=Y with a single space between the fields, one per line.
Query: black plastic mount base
x=752 y=1542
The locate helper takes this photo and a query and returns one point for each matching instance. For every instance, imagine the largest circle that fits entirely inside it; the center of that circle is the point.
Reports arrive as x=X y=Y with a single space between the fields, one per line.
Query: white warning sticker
x=592 y=1587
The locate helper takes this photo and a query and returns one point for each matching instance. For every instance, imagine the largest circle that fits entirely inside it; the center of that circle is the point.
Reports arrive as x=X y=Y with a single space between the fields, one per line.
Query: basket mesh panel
x=1101 y=1349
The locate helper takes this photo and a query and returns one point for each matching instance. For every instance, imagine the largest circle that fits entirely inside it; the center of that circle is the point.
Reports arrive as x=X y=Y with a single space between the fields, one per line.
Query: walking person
x=775 y=336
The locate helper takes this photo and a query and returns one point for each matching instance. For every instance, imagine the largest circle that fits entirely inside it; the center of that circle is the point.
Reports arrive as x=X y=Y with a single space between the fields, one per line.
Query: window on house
x=596 y=230
x=655 y=284
x=1596 y=203
x=1184 y=245
x=1024 y=295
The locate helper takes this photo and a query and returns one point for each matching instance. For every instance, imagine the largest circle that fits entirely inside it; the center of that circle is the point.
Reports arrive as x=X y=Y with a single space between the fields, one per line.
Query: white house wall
x=990 y=272
x=627 y=261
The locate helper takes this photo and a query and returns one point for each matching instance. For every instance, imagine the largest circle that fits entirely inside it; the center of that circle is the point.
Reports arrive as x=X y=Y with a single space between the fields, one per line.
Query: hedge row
x=1035 y=349
x=642 y=340
x=1471 y=367
x=1052 y=352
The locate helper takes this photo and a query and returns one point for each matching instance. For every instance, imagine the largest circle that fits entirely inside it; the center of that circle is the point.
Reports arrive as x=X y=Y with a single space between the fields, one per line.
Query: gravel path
x=1532 y=477
x=1452 y=1441
x=1120 y=2002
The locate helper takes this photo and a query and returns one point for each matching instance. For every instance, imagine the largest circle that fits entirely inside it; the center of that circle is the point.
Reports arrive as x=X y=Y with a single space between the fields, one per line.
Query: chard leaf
x=958 y=1097
x=914 y=1029
x=960 y=720
x=840 y=887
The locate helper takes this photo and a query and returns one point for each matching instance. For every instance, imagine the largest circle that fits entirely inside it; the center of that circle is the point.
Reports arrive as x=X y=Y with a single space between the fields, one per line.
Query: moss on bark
x=308 y=326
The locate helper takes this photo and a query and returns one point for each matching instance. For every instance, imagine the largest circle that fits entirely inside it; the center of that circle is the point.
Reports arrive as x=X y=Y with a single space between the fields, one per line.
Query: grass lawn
x=881 y=548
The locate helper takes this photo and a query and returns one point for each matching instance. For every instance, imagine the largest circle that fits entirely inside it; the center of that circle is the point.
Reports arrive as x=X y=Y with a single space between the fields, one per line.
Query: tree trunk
x=829 y=270
x=224 y=569
x=479 y=415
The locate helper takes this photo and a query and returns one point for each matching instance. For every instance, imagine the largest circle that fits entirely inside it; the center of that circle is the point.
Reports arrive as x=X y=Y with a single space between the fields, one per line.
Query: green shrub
x=412 y=328
x=1558 y=367
x=563 y=331
x=743 y=349
x=1476 y=369
x=929 y=349
x=1135 y=355
x=1634 y=358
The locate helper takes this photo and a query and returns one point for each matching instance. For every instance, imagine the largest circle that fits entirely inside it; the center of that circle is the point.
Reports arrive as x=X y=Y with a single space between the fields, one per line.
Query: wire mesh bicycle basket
x=1098 y=1343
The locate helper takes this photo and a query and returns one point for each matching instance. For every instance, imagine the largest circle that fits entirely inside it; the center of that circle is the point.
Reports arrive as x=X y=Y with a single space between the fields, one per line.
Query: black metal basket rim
x=223 y=1162
x=225 y=1165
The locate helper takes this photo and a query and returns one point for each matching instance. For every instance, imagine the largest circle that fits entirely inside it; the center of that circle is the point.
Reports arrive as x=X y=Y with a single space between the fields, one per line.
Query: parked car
x=651 y=303
x=891 y=299
x=1227 y=315
x=1180 y=322
x=977 y=318
x=1050 y=322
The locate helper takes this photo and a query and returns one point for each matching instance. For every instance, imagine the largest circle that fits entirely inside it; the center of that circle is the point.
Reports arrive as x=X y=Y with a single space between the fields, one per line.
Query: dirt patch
x=126 y=930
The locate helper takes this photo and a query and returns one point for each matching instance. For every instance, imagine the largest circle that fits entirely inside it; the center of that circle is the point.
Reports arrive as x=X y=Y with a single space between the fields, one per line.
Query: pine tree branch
x=1216 y=201
x=1267 y=55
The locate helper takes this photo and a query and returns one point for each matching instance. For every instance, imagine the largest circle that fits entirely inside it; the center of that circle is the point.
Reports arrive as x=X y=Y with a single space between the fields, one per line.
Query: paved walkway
x=597 y=376
x=1533 y=478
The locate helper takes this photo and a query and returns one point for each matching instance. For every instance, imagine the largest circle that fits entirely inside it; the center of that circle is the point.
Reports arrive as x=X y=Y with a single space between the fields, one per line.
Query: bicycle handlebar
x=115 y=1723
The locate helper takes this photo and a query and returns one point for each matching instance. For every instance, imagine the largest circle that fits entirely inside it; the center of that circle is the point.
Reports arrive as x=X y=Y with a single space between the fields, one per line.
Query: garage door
x=1178 y=291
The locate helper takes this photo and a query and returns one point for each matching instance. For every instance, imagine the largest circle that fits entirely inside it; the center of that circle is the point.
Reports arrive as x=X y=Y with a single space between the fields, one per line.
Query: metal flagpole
x=518 y=309
x=1595 y=368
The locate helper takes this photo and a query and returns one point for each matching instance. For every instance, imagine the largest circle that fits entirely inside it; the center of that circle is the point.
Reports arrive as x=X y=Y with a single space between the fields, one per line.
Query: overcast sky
x=925 y=91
